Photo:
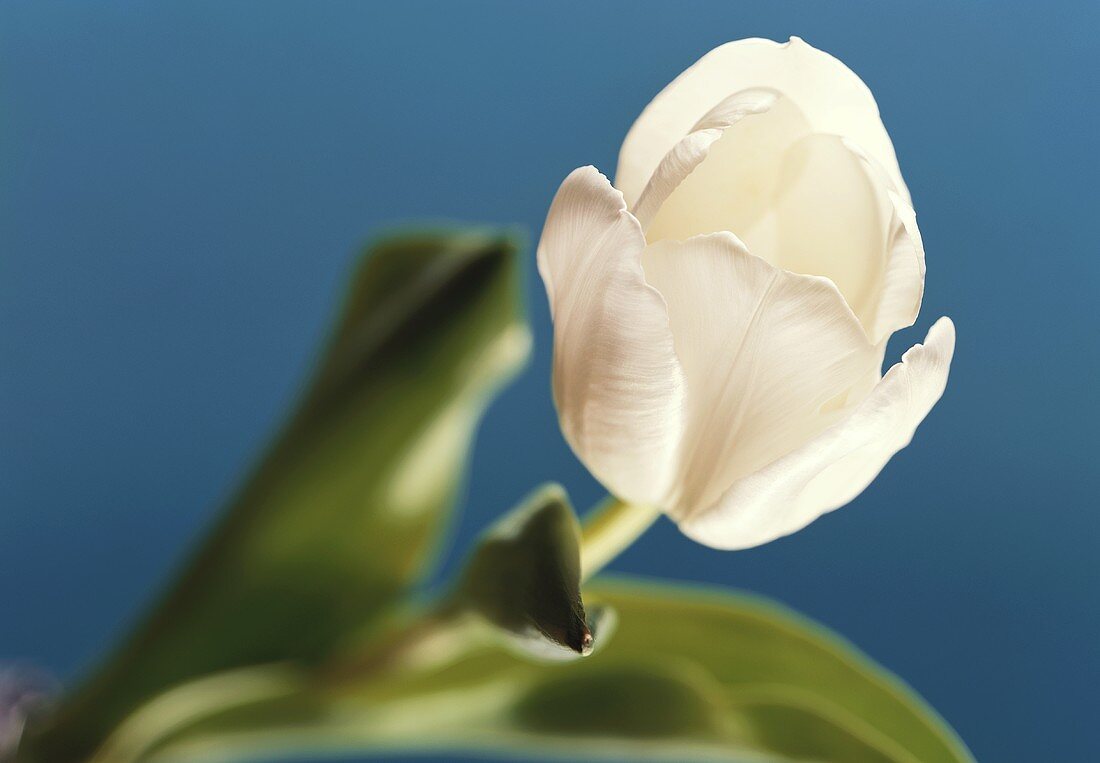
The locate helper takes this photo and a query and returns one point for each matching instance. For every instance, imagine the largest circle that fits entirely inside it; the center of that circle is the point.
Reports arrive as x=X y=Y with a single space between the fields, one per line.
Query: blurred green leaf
x=346 y=508
x=688 y=675
x=525 y=578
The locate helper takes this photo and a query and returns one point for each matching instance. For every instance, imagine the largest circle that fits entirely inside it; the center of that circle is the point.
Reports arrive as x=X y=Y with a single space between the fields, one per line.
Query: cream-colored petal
x=826 y=220
x=832 y=98
x=686 y=155
x=617 y=383
x=763 y=352
x=736 y=184
x=831 y=469
x=898 y=297
x=803 y=201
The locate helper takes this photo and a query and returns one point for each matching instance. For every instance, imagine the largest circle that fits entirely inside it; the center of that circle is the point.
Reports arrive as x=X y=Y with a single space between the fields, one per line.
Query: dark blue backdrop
x=184 y=188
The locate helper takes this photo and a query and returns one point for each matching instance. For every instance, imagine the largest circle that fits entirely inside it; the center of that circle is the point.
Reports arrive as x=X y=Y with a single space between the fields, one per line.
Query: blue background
x=184 y=187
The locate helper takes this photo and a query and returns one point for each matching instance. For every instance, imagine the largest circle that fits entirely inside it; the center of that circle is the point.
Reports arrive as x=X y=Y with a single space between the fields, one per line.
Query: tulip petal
x=763 y=352
x=902 y=285
x=618 y=385
x=803 y=201
x=832 y=98
x=831 y=469
x=686 y=155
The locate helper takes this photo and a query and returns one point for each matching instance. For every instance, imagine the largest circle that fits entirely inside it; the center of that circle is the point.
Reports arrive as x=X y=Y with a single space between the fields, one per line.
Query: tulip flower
x=721 y=313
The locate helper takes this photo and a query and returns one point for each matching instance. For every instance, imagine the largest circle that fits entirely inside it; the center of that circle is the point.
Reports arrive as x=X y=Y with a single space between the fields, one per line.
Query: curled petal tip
x=945 y=324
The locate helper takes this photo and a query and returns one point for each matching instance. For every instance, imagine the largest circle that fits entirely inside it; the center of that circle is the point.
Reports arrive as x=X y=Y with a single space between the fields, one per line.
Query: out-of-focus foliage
x=687 y=675
x=345 y=510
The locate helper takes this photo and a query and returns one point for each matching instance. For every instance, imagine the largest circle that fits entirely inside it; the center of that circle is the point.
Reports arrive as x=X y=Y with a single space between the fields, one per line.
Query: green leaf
x=688 y=675
x=525 y=578
x=344 y=512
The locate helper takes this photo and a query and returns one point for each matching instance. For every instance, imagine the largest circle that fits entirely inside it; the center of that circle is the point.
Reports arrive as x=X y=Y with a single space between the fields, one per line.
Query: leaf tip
x=587 y=643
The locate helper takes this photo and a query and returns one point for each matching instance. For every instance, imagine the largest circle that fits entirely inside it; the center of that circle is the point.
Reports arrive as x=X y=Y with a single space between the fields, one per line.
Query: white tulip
x=721 y=313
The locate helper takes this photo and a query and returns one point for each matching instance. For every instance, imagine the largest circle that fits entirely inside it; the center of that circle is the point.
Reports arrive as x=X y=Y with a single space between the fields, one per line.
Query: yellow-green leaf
x=688 y=675
x=345 y=510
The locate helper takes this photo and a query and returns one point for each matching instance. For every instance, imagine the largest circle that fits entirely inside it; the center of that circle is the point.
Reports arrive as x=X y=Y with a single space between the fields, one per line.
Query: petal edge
x=833 y=97
x=618 y=385
x=833 y=468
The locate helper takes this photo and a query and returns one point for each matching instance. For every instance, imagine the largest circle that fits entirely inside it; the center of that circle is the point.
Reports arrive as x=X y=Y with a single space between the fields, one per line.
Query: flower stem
x=609 y=529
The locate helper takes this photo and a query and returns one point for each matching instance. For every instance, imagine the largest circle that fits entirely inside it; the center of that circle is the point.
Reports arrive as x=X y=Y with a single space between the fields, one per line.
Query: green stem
x=609 y=529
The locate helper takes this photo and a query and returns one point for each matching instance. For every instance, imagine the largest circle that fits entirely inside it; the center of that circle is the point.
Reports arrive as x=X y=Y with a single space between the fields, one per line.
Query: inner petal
x=801 y=201
x=830 y=221
x=735 y=187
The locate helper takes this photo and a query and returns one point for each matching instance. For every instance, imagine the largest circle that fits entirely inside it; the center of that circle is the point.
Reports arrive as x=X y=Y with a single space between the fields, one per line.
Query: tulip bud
x=721 y=314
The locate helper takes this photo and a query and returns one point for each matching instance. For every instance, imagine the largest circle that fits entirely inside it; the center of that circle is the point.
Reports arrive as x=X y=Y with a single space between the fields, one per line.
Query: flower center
x=798 y=199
